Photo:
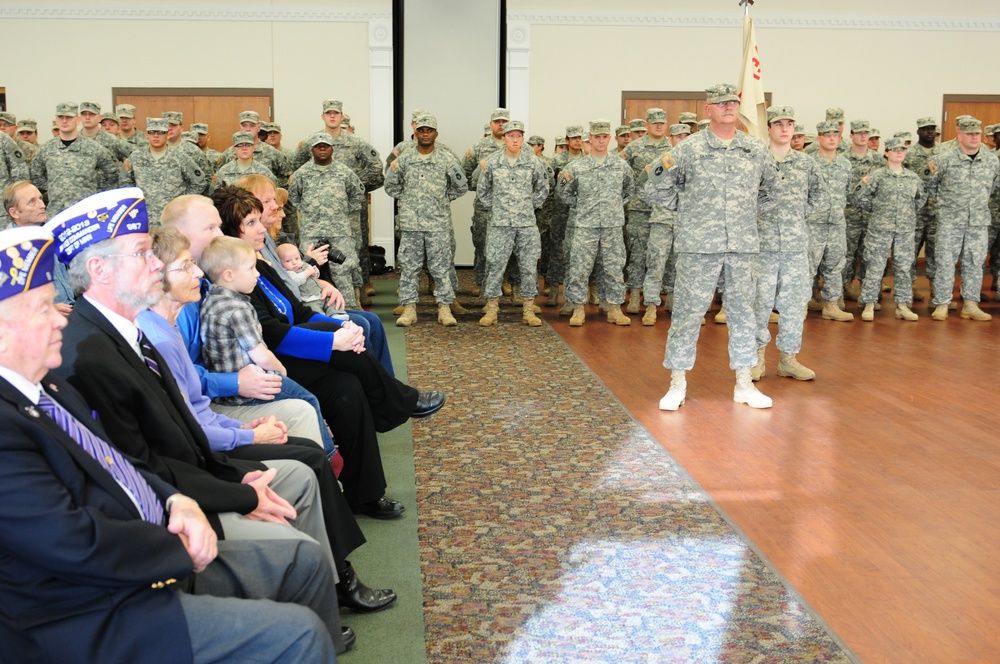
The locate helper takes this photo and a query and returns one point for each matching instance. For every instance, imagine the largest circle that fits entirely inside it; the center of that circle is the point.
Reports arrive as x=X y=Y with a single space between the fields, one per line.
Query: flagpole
x=746 y=6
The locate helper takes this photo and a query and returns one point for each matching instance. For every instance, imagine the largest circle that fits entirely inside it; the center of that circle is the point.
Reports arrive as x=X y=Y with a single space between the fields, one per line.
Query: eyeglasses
x=146 y=256
x=187 y=266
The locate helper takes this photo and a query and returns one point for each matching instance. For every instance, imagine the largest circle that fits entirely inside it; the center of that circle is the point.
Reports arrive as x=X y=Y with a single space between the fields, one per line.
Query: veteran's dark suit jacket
x=82 y=577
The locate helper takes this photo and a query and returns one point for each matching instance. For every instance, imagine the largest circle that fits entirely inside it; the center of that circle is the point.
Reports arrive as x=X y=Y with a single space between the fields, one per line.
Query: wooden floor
x=875 y=489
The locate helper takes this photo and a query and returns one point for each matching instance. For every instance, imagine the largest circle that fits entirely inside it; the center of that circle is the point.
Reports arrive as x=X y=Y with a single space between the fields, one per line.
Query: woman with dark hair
x=357 y=395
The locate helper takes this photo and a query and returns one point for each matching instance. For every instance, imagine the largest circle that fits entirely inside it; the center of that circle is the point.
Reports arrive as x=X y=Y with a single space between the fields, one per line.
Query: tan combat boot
x=398 y=311
x=971 y=310
x=457 y=308
x=515 y=296
x=757 y=371
x=852 y=292
x=903 y=312
x=477 y=291
x=790 y=367
x=370 y=289
x=869 y=313
x=357 y=299
x=492 y=307
x=746 y=392
x=634 y=300
x=408 y=317
x=578 y=317
x=668 y=301
x=444 y=315
x=546 y=289
x=940 y=312
x=649 y=318
x=567 y=309
x=720 y=317
x=528 y=316
x=553 y=300
x=815 y=304
x=773 y=318
x=833 y=312
x=616 y=316
x=677 y=394
x=592 y=295
x=505 y=287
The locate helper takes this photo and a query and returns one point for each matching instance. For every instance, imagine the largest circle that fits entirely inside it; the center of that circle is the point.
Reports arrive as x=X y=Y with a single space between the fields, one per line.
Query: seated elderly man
x=100 y=559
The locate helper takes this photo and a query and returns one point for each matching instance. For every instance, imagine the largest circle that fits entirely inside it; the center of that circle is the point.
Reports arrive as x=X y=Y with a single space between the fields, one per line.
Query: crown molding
x=289 y=13
x=787 y=21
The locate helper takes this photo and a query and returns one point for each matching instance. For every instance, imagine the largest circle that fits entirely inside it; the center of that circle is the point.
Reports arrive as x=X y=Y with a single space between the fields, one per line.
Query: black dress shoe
x=383 y=508
x=350 y=636
x=352 y=594
x=428 y=403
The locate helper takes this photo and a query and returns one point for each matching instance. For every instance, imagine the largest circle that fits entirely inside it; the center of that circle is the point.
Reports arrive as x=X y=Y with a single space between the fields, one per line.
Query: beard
x=137 y=301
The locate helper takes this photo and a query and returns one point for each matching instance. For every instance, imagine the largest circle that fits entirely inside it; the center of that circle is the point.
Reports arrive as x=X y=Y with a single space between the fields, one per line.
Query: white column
x=518 y=50
x=381 y=122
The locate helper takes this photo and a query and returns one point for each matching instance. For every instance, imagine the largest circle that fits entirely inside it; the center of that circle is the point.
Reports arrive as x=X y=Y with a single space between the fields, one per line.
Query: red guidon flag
x=753 y=106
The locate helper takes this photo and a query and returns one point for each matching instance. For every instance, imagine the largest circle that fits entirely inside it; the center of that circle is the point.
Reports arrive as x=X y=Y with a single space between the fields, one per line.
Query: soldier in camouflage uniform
x=69 y=173
x=690 y=119
x=596 y=189
x=264 y=154
x=425 y=181
x=784 y=281
x=211 y=155
x=175 y=139
x=544 y=213
x=9 y=126
x=863 y=162
x=906 y=136
x=993 y=266
x=963 y=180
x=622 y=138
x=111 y=123
x=273 y=130
x=874 y=139
x=799 y=137
x=244 y=164
x=474 y=156
x=639 y=154
x=892 y=195
x=636 y=129
x=827 y=226
x=512 y=185
x=329 y=197
x=559 y=215
x=129 y=132
x=561 y=145
x=843 y=143
x=13 y=168
x=27 y=132
x=163 y=174
x=717 y=180
x=90 y=128
x=918 y=158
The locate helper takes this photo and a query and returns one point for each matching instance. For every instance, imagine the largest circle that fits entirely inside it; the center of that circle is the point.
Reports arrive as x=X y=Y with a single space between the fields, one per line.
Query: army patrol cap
x=427 y=120
x=970 y=125
x=656 y=115
x=242 y=138
x=586 y=137
x=600 y=127
x=835 y=114
x=687 y=117
x=347 y=120
x=499 y=114
x=622 y=130
x=859 y=126
x=67 y=108
x=91 y=106
x=827 y=126
x=173 y=117
x=486 y=129
x=320 y=137
x=574 y=131
x=874 y=133
x=157 y=124
x=417 y=112
x=9 y=118
x=722 y=92
x=680 y=128
x=560 y=140
x=125 y=110
x=637 y=125
x=703 y=124
x=926 y=122
x=111 y=116
x=810 y=138
x=895 y=143
x=333 y=105
x=199 y=128
x=250 y=116
x=190 y=137
x=905 y=135
x=27 y=124
x=800 y=129
x=536 y=140
x=775 y=113
x=513 y=125
x=960 y=118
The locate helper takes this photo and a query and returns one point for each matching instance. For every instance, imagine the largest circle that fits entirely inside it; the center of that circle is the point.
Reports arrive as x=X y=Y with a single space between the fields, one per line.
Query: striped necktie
x=147 y=354
x=110 y=459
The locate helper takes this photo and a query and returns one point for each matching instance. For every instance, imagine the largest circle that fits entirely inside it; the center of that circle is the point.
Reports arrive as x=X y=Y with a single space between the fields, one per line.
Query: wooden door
x=636 y=103
x=984 y=107
x=219 y=108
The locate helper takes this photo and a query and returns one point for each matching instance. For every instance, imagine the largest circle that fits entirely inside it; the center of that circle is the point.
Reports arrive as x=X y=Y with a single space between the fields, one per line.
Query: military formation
x=667 y=217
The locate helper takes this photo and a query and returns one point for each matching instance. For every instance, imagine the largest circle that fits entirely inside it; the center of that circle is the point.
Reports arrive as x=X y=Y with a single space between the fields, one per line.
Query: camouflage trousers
x=500 y=244
x=556 y=273
x=878 y=244
x=636 y=240
x=435 y=247
x=694 y=289
x=542 y=221
x=959 y=242
x=925 y=237
x=783 y=283
x=857 y=226
x=359 y=231
x=589 y=247
x=364 y=258
x=993 y=239
x=342 y=275
x=826 y=258
x=658 y=254
x=480 y=220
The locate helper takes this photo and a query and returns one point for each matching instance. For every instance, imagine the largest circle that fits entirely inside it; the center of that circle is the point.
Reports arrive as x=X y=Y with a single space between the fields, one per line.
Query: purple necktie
x=147 y=354
x=110 y=458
